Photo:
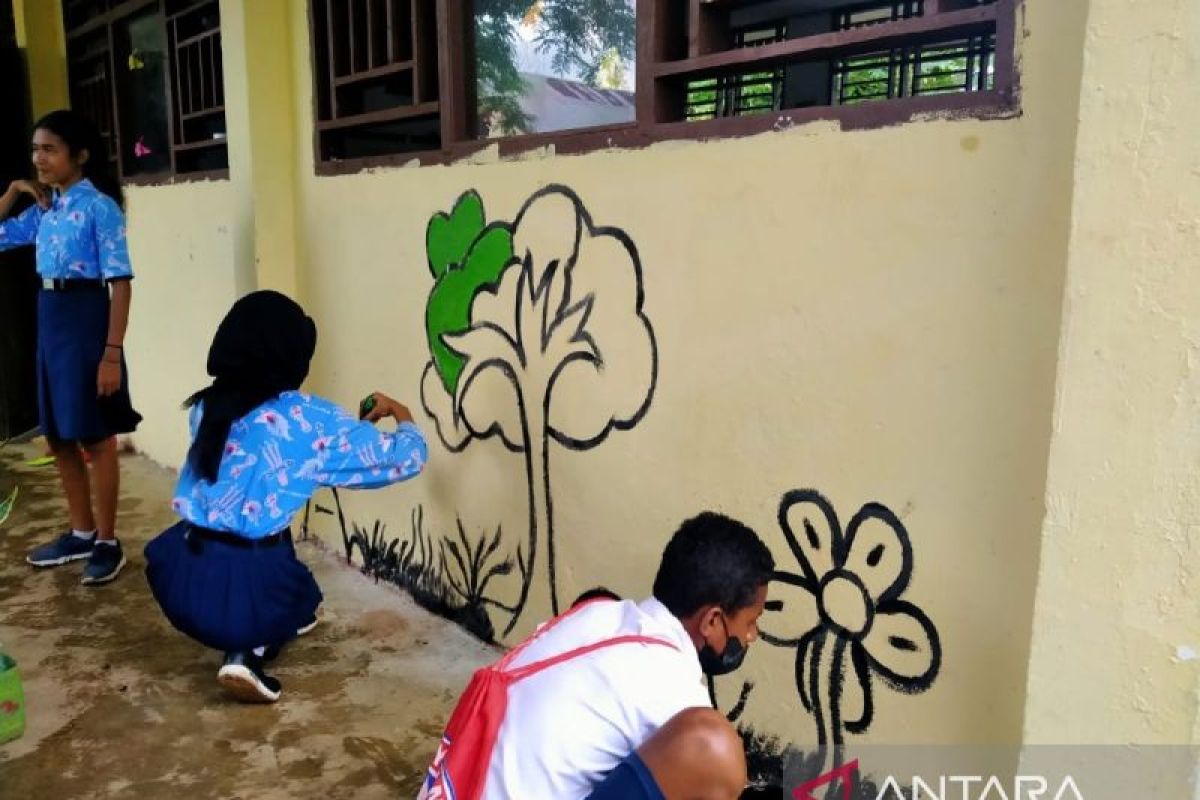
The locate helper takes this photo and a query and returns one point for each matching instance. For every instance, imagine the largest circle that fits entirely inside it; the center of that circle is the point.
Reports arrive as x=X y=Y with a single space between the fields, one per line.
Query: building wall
x=869 y=317
x=40 y=36
x=1116 y=627
x=181 y=245
x=873 y=315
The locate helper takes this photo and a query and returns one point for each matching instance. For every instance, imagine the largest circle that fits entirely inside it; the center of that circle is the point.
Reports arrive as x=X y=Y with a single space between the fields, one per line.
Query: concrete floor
x=121 y=706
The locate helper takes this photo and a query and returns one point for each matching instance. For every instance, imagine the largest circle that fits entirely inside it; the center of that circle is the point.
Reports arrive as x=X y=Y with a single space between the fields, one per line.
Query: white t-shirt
x=571 y=724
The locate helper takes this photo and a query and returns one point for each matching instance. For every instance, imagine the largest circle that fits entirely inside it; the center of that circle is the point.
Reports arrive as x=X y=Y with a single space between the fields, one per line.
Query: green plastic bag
x=12 y=700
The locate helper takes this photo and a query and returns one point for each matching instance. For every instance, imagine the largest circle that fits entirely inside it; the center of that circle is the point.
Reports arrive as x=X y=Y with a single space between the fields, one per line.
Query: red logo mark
x=845 y=773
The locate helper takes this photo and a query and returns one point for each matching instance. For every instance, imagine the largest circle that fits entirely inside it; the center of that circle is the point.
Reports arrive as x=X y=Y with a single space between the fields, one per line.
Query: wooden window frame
x=99 y=25
x=660 y=95
x=365 y=47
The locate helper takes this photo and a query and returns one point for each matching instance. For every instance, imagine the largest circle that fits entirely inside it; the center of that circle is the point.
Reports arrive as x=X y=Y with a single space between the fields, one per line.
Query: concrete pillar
x=262 y=143
x=41 y=39
x=1115 y=656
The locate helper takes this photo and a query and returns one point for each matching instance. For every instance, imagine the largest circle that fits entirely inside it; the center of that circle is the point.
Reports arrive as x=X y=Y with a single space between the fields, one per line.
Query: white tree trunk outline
x=550 y=330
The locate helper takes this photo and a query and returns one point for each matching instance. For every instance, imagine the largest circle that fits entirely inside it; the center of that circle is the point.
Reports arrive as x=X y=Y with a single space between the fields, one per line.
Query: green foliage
x=594 y=39
x=465 y=257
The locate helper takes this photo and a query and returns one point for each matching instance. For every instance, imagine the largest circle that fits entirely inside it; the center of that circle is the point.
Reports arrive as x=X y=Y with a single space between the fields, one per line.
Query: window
x=821 y=54
x=440 y=79
x=740 y=94
x=377 y=86
x=197 y=89
x=544 y=67
x=946 y=67
x=149 y=74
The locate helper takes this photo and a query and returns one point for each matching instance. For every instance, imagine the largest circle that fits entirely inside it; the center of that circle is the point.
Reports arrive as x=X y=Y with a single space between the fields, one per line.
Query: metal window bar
x=742 y=94
x=369 y=41
x=198 y=79
x=962 y=65
x=93 y=97
x=368 y=36
x=91 y=91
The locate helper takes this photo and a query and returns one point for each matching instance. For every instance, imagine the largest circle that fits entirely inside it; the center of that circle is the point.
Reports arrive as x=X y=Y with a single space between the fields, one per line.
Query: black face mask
x=714 y=663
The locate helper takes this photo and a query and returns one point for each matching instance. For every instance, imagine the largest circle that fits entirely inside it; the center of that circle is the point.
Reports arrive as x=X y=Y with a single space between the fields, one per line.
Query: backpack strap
x=521 y=673
x=546 y=628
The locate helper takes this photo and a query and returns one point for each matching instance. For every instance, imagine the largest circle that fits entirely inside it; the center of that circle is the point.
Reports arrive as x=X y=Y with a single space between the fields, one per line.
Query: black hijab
x=262 y=348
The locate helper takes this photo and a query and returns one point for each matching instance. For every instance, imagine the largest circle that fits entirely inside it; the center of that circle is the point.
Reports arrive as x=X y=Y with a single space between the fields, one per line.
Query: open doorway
x=18 y=279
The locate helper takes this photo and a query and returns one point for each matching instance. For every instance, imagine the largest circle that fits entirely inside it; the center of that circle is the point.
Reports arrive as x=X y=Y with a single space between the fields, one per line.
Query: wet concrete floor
x=123 y=707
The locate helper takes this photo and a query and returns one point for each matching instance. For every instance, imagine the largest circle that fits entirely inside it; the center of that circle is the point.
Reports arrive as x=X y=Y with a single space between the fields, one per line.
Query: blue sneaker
x=63 y=550
x=104 y=565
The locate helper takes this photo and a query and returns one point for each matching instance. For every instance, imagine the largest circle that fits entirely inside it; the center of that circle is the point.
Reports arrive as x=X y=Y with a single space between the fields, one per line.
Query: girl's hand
x=108 y=380
x=39 y=192
x=387 y=407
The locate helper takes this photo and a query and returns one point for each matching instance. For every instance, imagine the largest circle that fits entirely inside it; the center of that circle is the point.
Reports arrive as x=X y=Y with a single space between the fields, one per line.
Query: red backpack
x=459 y=770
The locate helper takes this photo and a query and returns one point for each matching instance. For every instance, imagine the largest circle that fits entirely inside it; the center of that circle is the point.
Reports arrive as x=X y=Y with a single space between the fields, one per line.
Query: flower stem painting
x=536 y=333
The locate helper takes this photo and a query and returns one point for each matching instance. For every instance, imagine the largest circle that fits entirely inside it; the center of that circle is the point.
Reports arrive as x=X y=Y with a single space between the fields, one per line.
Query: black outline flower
x=855 y=581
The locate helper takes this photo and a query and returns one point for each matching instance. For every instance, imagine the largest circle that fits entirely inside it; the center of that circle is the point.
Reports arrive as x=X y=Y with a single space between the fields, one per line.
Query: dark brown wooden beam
x=189 y=9
x=882 y=37
x=456 y=61
x=655 y=103
x=350 y=36
x=384 y=115
x=708 y=29
x=977 y=105
x=331 y=72
x=371 y=74
x=1007 y=79
x=424 y=64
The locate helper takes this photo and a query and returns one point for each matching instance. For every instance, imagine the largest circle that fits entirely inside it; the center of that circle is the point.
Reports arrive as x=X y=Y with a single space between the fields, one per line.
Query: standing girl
x=78 y=228
x=227 y=574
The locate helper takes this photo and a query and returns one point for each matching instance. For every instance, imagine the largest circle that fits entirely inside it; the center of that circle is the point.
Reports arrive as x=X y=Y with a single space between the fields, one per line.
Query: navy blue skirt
x=230 y=597
x=631 y=780
x=72 y=332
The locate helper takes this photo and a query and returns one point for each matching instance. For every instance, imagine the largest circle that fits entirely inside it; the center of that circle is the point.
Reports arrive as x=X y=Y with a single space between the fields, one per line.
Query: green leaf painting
x=465 y=256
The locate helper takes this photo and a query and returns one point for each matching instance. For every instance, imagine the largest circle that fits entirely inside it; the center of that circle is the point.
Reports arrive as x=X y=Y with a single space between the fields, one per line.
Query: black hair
x=262 y=348
x=712 y=560
x=80 y=133
x=597 y=593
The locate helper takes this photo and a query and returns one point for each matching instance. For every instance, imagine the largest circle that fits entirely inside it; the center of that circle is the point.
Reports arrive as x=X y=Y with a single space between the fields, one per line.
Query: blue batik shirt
x=80 y=236
x=282 y=452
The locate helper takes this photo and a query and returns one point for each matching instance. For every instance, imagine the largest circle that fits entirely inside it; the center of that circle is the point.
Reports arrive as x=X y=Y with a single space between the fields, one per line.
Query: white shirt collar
x=670 y=624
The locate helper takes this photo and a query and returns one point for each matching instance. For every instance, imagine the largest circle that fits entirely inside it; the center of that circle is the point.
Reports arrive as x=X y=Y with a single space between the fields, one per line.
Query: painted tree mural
x=536 y=332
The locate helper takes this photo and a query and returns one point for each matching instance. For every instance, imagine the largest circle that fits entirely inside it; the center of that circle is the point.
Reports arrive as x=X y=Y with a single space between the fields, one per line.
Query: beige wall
x=40 y=37
x=873 y=314
x=877 y=321
x=1117 y=628
x=181 y=245
x=258 y=112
